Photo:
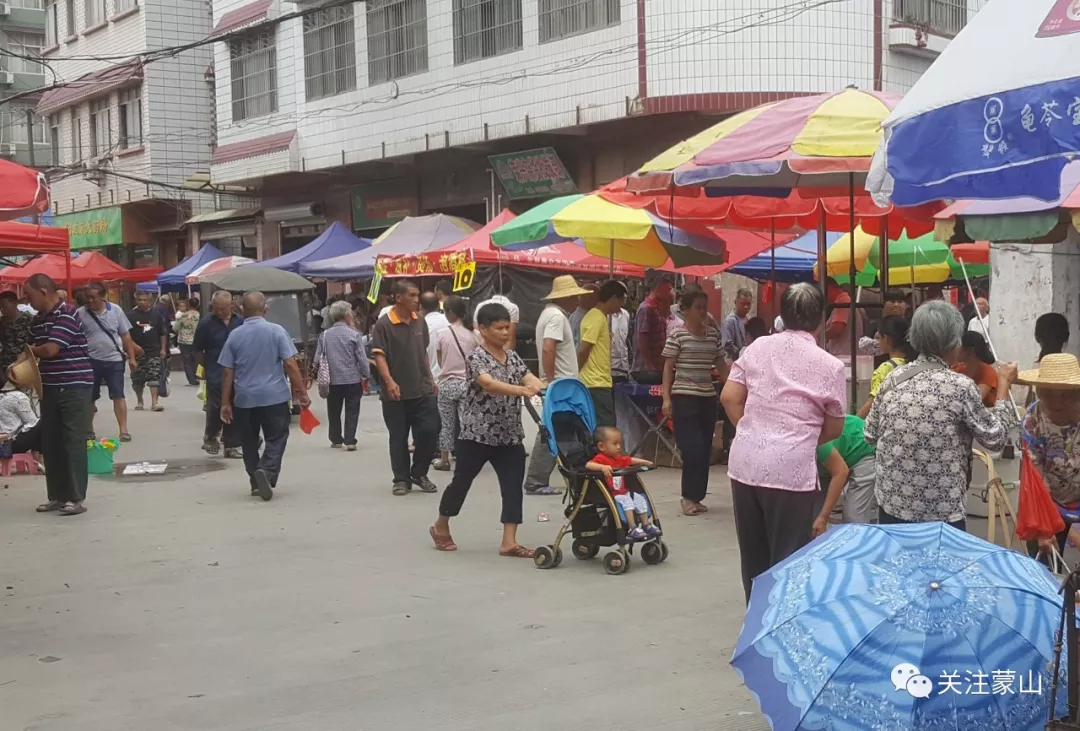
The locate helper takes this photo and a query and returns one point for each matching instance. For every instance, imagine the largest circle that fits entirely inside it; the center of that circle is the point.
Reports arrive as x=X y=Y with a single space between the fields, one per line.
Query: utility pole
x=30 y=144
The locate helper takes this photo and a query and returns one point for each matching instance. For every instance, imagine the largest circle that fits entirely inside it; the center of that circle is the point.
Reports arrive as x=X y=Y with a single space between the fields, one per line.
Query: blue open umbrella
x=902 y=627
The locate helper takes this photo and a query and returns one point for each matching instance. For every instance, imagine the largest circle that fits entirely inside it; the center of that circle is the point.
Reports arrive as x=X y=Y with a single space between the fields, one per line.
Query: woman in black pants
x=490 y=430
x=690 y=400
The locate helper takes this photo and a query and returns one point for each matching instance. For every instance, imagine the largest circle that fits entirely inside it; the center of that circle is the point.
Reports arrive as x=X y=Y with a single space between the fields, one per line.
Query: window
x=329 y=52
x=397 y=39
x=95 y=13
x=485 y=28
x=253 y=60
x=565 y=18
x=100 y=124
x=69 y=14
x=120 y=6
x=54 y=138
x=76 y=137
x=130 y=118
x=945 y=16
x=32 y=4
x=24 y=44
x=52 y=25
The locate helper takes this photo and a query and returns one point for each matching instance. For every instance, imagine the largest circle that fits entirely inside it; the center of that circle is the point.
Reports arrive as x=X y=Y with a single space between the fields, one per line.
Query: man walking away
x=254 y=361
x=650 y=330
x=14 y=329
x=151 y=335
x=108 y=341
x=436 y=323
x=594 y=353
x=66 y=379
x=210 y=336
x=733 y=334
x=400 y=343
x=558 y=359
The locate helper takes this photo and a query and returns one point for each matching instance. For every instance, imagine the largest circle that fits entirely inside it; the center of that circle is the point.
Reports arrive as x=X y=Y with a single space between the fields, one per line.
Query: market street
x=185 y=604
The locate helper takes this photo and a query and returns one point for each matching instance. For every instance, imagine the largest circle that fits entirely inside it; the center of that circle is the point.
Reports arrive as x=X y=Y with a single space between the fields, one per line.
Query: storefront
x=236 y=232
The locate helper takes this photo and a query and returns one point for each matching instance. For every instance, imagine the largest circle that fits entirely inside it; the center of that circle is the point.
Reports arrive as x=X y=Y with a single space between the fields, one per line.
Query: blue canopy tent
x=336 y=240
x=794 y=262
x=175 y=279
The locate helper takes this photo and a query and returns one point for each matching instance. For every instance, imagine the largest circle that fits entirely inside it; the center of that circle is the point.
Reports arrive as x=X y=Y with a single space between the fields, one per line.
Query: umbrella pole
x=611 y=260
x=67 y=274
x=823 y=269
x=852 y=329
x=982 y=326
x=884 y=256
x=772 y=269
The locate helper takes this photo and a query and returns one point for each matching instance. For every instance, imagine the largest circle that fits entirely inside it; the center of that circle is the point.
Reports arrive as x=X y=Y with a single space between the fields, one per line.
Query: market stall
x=90 y=266
x=175 y=279
x=335 y=241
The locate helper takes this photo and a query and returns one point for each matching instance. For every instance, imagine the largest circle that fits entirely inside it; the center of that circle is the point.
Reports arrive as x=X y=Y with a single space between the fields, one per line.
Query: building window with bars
x=130 y=118
x=397 y=39
x=76 y=137
x=95 y=13
x=120 y=6
x=329 y=52
x=485 y=28
x=52 y=25
x=54 y=138
x=943 y=16
x=69 y=12
x=565 y=18
x=25 y=46
x=253 y=63
x=100 y=126
x=13 y=127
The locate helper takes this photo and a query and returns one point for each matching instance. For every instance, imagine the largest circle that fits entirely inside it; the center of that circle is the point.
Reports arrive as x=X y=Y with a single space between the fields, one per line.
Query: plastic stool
x=21 y=461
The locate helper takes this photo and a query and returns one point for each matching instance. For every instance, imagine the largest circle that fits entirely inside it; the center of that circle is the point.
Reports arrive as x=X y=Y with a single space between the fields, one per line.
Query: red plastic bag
x=1038 y=516
x=308 y=421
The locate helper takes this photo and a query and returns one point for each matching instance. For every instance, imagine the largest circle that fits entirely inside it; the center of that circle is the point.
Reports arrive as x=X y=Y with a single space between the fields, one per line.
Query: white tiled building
x=117 y=122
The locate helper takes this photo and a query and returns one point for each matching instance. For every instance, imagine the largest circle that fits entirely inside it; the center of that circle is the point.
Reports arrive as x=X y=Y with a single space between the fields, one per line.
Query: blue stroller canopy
x=567 y=395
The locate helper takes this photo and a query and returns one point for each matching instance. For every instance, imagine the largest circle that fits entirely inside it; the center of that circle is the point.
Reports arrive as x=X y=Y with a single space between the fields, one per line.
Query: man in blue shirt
x=255 y=394
x=210 y=336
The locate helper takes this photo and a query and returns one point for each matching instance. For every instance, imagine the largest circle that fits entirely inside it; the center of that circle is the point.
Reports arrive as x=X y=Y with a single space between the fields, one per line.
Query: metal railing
x=945 y=16
x=397 y=39
x=565 y=18
x=486 y=28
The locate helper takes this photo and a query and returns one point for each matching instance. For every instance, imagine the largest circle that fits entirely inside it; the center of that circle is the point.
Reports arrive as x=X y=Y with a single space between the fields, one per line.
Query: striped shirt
x=71 y=366
x=694 y=358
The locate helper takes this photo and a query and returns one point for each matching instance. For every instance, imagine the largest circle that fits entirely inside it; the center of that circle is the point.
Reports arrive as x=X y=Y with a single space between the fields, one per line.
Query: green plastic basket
x=99 y=460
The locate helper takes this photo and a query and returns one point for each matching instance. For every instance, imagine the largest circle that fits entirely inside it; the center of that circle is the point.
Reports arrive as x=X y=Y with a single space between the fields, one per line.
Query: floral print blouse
x=485 y=417
x=1053 y=450
x=924 y=428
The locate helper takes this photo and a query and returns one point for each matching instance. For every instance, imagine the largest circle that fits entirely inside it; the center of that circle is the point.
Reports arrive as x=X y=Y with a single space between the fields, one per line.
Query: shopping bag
x=324 y=377
x=308 y=421
x=1037 y=516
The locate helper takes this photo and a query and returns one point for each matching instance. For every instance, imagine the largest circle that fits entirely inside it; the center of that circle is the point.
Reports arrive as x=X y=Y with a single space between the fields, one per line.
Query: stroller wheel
x=616 y=563
x=545 y=558
x=652 y=552
x=558 y=558
x=663 y=552
x=584 y=551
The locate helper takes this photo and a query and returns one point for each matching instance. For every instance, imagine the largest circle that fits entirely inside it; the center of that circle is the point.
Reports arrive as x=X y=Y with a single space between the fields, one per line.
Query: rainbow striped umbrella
x=807 y=142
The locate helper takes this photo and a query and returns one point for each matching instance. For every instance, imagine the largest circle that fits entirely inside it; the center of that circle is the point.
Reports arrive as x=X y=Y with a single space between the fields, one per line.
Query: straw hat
x=24 y=372
x=1056 y=370
x=565 y=286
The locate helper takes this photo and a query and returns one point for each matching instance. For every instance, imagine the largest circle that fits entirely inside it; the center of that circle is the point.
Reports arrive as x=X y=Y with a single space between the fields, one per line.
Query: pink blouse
x=792 y=385
x=453 y=364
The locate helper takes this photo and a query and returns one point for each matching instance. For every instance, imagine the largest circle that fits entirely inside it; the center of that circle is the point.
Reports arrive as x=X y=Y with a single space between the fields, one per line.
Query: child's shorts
x=633 y=502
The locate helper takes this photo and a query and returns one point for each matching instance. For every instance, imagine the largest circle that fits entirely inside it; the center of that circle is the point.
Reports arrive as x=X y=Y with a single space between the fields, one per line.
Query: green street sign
x=532 y=174
x=381 y=205
x=94 y=228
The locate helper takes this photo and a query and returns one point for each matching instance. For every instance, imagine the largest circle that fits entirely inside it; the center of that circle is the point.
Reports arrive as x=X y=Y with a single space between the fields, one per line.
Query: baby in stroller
x=609 y=457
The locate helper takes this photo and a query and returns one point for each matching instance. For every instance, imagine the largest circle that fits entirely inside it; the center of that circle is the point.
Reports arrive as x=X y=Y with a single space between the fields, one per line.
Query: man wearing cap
x=66 y=380
x=557 y=356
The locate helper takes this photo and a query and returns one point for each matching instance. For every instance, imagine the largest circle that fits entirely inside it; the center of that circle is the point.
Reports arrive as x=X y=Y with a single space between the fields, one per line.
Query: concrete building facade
x=22 y=40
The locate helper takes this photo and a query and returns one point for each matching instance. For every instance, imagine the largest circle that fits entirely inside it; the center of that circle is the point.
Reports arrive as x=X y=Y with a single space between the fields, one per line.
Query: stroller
x=592 y=515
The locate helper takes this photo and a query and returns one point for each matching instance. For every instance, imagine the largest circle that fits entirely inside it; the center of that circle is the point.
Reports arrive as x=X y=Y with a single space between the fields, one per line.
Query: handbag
x=323 y=375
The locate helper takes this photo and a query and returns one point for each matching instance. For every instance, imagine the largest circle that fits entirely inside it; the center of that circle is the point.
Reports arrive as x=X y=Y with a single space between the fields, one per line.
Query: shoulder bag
x=323 y=375
x=113 y=338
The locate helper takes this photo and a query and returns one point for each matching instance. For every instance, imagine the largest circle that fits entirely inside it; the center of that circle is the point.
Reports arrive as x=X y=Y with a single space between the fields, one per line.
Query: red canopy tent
x=23 y=191
x=87 y=267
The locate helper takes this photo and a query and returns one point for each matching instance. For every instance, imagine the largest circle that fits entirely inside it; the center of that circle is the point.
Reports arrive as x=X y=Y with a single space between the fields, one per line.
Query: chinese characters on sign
x=1063 y=18
x=1033 y=118
x=532 y=174
x=906 y=677
x=93 y=228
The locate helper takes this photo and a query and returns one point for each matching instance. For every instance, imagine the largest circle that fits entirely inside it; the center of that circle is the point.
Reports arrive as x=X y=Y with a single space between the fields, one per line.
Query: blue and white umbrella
x=914 y=627
x=996 y=116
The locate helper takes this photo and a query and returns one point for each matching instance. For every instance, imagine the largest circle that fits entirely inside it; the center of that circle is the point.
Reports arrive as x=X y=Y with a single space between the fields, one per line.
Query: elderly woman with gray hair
x=924 y=420
x=342 y=346
x=786 y=396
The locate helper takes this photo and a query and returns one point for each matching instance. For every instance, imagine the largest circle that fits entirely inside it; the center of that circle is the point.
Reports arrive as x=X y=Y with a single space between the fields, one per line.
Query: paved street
x=181 y=603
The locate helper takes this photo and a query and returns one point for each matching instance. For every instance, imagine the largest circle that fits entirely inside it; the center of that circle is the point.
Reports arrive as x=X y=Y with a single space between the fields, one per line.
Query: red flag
x=308 y=422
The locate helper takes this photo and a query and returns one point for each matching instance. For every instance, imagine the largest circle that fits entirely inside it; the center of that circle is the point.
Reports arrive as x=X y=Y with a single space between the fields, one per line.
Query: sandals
x=125 y=437
x=140 y=407
x=544 y=490
x=689 y=508
x=159 y=407
x=72 y=509
x=401 y=488
x=441 y=466
x=517 y=552
x=50 y=506
x=442 y=543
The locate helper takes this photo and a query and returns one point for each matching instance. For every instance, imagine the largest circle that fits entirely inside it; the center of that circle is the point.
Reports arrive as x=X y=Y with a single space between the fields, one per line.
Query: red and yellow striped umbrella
x=811 y=141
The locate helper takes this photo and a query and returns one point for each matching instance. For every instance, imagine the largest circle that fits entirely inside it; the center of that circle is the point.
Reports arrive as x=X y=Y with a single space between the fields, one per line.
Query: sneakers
x=652 y=531
x=350 y=447
x=637 y=534
x=335 y=446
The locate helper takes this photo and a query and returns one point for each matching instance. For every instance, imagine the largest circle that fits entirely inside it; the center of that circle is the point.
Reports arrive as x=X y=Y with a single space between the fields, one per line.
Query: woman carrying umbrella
x=785 y=395
x=923 y=422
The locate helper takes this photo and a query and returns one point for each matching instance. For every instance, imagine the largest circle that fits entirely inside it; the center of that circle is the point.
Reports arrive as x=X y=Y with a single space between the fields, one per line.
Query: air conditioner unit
x=7 y=78
x=5 y=9
x=7 y=150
